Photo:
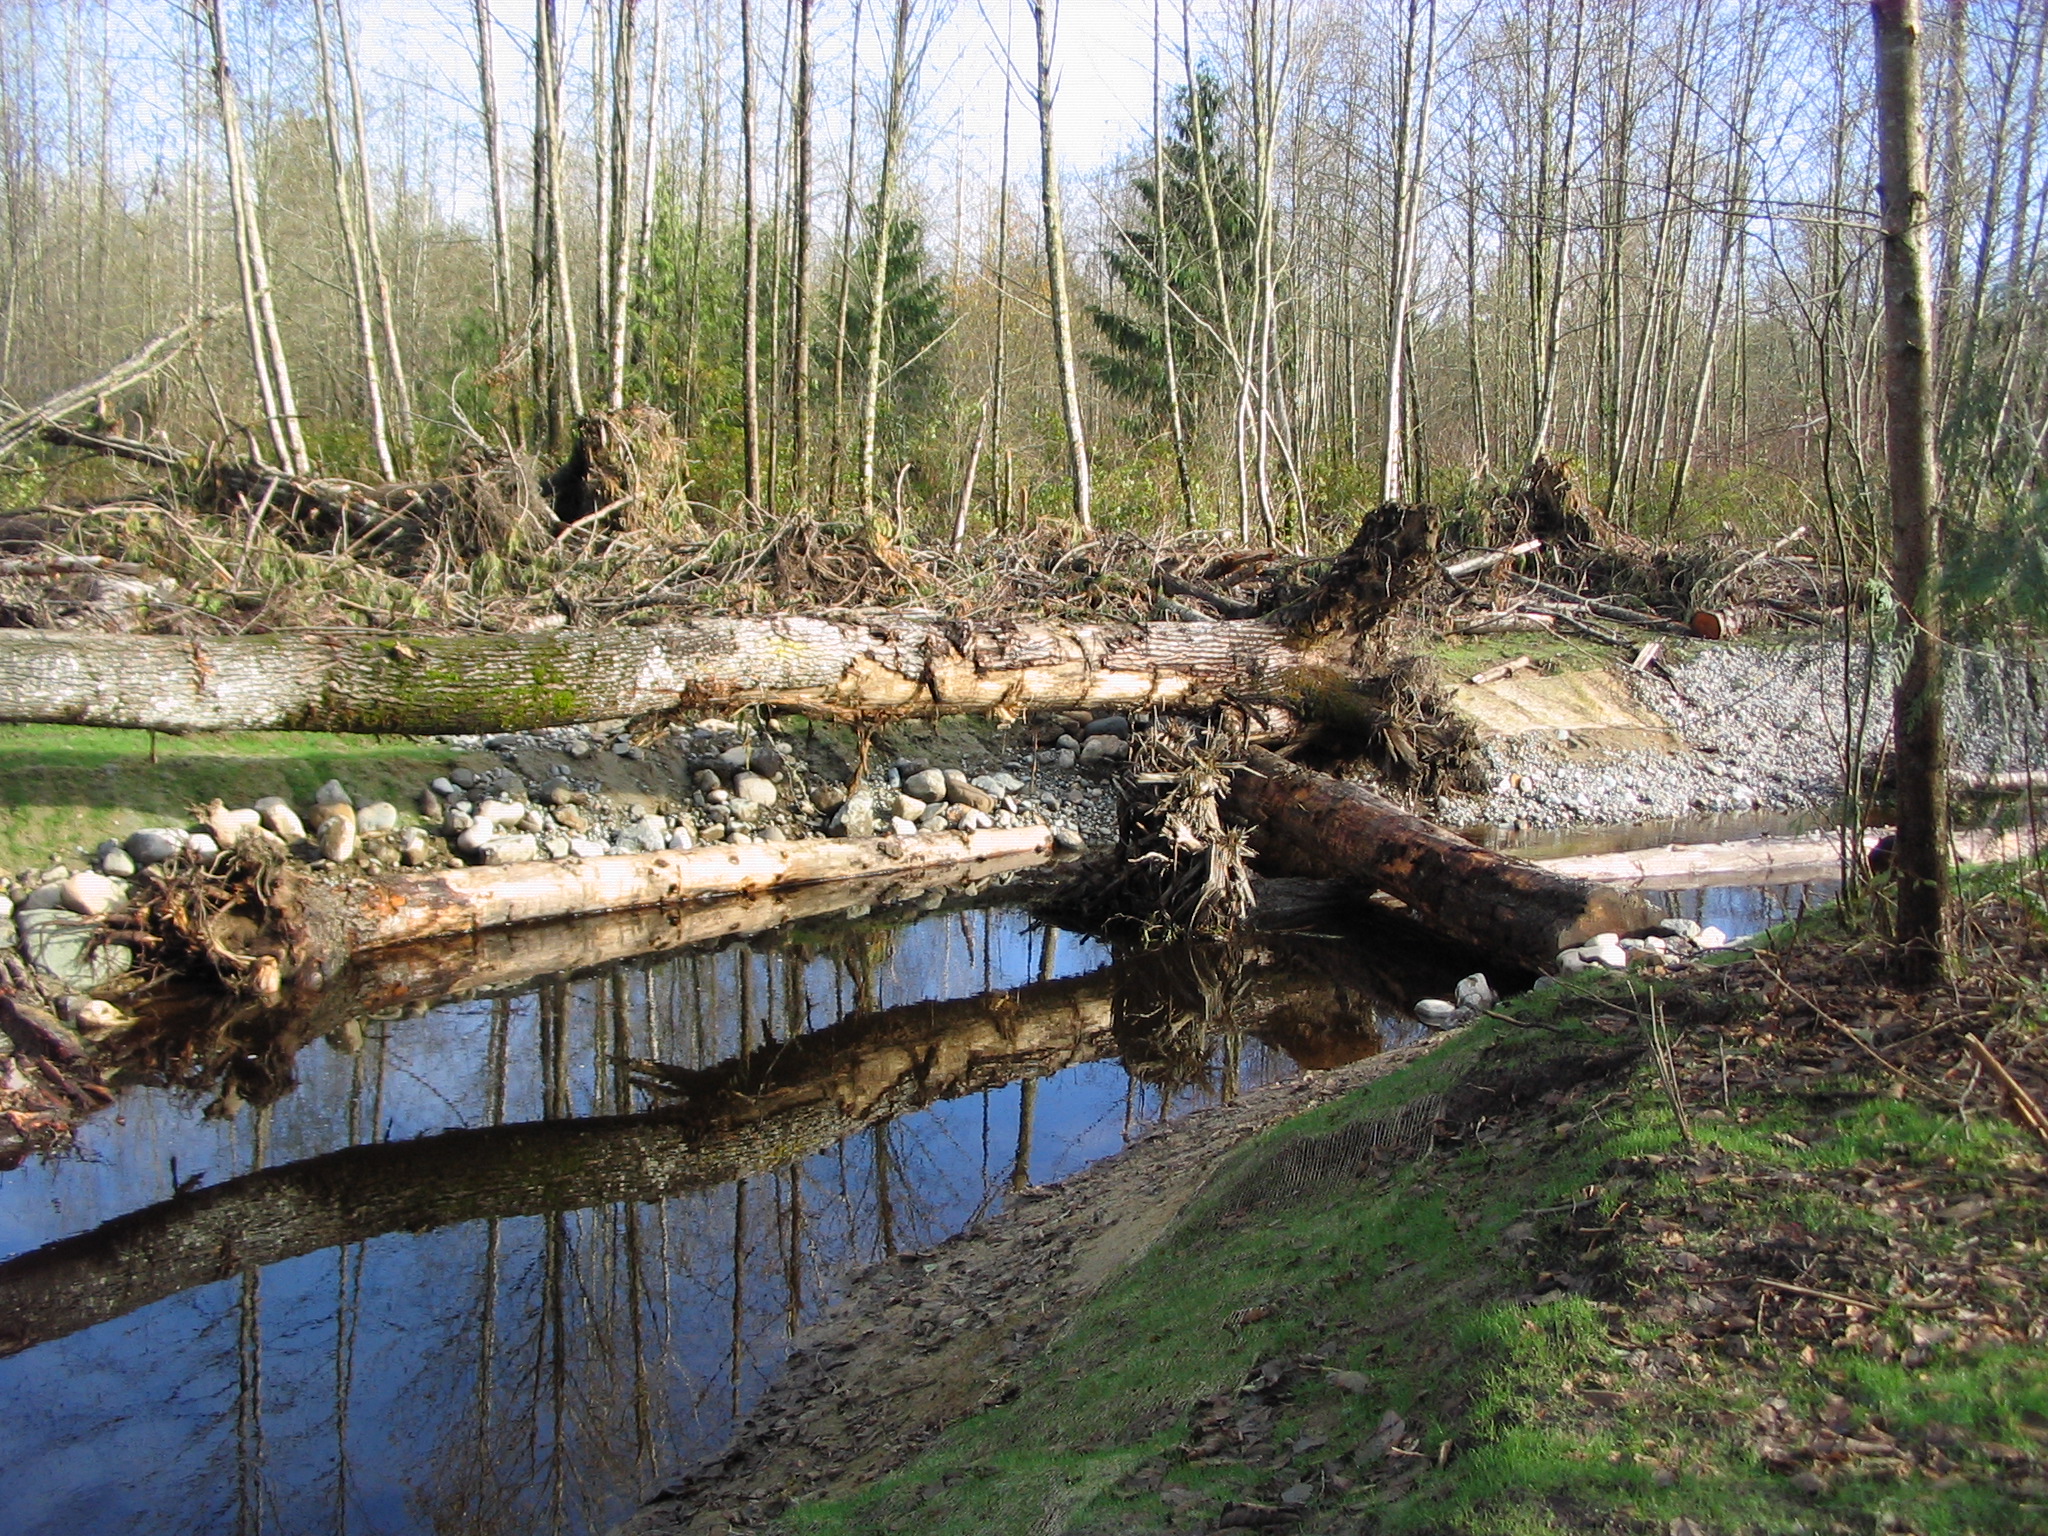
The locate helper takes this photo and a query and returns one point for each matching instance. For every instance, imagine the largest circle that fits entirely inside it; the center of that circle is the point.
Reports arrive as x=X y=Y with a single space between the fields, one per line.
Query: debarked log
x=333 y=924
x=874 y=668
x=1310 y=824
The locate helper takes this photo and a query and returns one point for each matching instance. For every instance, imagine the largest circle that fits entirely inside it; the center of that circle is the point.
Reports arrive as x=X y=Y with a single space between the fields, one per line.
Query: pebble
x=115 y=862
x=1476 y=993
x=201 y=845
x=463 y=778
x=1107 y=725
x=909 y=808
x=378 y=816
x=1435 y=1010
x=518 y=848
x=902 y=826
x=1068 y=840
x=1104 y=749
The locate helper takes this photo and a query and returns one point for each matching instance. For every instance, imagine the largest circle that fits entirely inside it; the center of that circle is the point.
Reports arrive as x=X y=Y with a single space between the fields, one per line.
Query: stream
x=470 y=1269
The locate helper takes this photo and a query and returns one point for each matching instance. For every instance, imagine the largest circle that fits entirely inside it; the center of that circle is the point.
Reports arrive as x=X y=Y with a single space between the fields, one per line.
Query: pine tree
x=1134 y=366
x=915 y=318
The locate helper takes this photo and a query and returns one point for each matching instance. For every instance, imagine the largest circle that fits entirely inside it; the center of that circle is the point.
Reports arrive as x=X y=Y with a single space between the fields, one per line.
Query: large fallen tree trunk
x=875 y=668
x=1310 y=824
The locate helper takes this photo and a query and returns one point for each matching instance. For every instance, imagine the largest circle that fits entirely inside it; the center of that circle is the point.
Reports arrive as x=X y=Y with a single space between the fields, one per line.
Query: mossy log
x=1310 y=824
x=877 y=669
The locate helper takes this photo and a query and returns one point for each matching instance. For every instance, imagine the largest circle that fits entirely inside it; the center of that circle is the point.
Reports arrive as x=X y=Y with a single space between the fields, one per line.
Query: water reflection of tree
x=553 y=1364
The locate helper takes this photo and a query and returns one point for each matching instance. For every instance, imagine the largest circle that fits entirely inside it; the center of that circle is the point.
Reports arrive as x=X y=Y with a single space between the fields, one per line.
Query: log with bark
x=875 y=668
x=1310 y=824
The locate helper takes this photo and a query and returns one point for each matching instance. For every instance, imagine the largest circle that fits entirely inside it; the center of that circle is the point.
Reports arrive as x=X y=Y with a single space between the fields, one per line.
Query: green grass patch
x=65 y=788
x=1506 y=1295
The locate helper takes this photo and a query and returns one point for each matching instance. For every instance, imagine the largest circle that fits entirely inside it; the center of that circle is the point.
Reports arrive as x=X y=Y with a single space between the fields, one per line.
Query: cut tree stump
x=1310 y=824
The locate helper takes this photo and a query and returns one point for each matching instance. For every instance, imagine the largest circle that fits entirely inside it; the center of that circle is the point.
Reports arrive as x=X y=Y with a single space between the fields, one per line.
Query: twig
x=2019 y=1102
x=1910 y=1303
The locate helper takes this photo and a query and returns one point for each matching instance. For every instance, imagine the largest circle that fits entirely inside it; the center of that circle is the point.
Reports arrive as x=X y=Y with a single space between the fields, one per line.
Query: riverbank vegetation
x=1754 y=1248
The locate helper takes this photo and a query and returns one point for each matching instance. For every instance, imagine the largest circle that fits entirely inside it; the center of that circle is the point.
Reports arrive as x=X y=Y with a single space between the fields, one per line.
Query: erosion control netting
x=1309 y=1165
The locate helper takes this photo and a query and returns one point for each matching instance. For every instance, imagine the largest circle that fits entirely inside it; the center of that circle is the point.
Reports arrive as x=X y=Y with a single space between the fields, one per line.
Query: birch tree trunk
x=1920 y=856
x=1045 y=23
x=1411 y=148
x=618 y=273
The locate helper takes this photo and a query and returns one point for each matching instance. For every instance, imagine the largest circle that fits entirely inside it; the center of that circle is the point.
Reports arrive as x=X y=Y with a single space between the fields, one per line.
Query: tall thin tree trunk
x=1411 y=150
x=568 y=365
x=800 y=261
x=750 y=277
x=1177 y=419
x=266 y=347
x=373 y=245
x=494 y=153
x=1045 y=23
x=352 y=249
x=878 y=276
x=618 y=275
x=1920 y=856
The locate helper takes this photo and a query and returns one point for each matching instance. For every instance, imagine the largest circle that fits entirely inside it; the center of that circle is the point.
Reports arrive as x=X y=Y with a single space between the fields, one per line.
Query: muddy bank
x=928 y=1338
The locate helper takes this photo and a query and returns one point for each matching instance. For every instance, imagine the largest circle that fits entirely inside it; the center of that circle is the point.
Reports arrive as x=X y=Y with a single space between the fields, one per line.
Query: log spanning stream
x=471 y=1273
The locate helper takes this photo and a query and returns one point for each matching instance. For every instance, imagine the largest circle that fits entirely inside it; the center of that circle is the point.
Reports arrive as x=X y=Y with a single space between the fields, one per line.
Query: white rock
x=555 y=847
x=1476 y=993
x=754 y=789
x=201 y=845
x=681 y=840
x=1679 y=928
x=1101 y=749
x=377 y=816
x=90 y=894
x=902 y=826
x=445 y=787
x=500 y=810
x=1711 y=938
x=928 y=785
x=228 y=827
x=588 y=847
x=1067 y=840
x=338 y=839
x=1573 y=961
x=413 y=848
x=1431 y=1010
x=735 y=759
x=473 y=838
x=1611 y=955
x=519 y=848
x=533 y=819
x=281 y=819
x=909 y=807
x=48 y=897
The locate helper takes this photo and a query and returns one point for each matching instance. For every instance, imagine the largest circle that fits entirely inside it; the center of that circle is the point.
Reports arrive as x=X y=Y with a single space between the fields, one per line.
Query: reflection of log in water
x=781 y=1103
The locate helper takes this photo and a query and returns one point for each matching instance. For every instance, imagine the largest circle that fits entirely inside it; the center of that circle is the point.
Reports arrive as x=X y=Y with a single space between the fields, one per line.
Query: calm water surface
x=470 y=1275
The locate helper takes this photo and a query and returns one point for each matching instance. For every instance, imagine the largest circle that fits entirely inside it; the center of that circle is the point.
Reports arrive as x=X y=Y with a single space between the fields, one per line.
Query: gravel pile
x=1767 y=728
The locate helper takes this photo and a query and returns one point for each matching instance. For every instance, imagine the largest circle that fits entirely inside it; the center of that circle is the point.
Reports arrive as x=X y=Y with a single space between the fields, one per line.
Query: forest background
x=1312 y=254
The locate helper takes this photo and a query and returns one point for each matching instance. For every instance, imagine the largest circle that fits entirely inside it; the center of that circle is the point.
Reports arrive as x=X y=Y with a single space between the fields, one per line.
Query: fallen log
x=1770 y=860
x=1309 y=824
x=19 y=426
x=425 y=905
x=875 y=668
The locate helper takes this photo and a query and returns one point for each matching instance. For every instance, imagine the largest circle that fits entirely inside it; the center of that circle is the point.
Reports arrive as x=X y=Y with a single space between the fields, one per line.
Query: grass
x=64 y=788
x=1560 y=1307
